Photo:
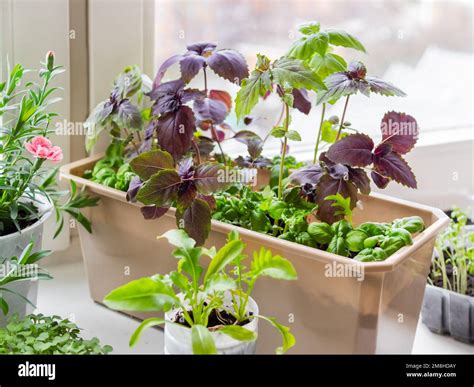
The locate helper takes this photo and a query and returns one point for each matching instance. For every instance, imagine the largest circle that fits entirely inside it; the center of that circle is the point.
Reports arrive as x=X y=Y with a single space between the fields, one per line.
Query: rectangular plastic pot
x=327 y=313
x=448 y=312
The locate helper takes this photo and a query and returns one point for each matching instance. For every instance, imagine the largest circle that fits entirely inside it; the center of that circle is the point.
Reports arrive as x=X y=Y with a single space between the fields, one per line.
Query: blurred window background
x=423 y=47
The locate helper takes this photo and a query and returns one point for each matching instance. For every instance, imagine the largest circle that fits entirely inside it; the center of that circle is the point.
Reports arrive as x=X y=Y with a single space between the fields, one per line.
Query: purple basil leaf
x=354 y=150
x=382 y=150
x=219 y=134
x=134 y=186
x=359 y=177
x=104 y=110
x=186 y=168
x=301 y=100
x=201 y=48
x=307 y=175
x=339 y=85
x=148 y=136
x=148 y=163
x=229 y=64
x=329 y=186
x=394 y=166
x=197 y=220
x=205 y=146
x=165 y=66
x=186 y=194
x=223 y=96
x=175 y=131
x=379 y=180
x=209 y=199
x=245 y=136
x=161 y=189
x=339 y=171
x=323 y=157
x=153 y=212
x=383 y=88
x=255 y=148
x=400 y=130
x=206 y=109
x=356 y=70
x=253 y=141
x=209 y=178
x=167 y=96
x=190 y=66
x=129 y=115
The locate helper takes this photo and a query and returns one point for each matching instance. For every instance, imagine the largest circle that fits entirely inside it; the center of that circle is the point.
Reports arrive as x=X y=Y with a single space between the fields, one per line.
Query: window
x=426 y=49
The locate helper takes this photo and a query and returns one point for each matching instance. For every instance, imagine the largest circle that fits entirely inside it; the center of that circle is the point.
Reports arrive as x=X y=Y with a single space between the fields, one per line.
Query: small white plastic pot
x=178 y=338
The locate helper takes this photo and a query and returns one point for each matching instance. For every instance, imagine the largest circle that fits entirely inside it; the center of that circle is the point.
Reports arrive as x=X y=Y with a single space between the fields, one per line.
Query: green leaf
x=278 y=132
x=321 y=232
x=3 y=306
x=412 y=224
x=309 y=28
x=355 y=240
x=293 y=72
x=142 y=295
x=179 y=280
x=202 y=341
x=227 y=254
x=338 y=246
x=307 y=46
x=148 y=323
x=264 y=263
x=343 y=203
x=327 y=64
x=178 y=238
x=250 y=92
x=219 y=283
x=402 y=234
x=189 y=262
x=344 y=39
x=238 y=332
x=277 y=208
x=288 y=340
x=293 y=135
x=147 y=164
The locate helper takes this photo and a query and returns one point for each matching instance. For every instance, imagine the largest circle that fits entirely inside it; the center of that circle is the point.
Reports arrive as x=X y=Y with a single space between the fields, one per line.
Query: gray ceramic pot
x=447 y=312
x=12 y=245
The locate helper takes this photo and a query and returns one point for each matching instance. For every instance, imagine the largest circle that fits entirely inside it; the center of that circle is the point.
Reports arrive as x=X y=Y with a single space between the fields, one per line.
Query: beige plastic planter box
x=327 y=314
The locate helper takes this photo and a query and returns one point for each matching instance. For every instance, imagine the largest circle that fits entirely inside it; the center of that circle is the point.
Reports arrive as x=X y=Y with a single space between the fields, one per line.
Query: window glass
x=423 y=47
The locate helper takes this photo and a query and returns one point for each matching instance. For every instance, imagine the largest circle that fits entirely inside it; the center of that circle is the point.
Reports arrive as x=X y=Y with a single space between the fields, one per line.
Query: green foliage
x=112 y=170
x=343 y=203
x=120 y=113
x=44 y=335
x=453 y=261
x=197 y=293
x=27 y=182
x=21 y=269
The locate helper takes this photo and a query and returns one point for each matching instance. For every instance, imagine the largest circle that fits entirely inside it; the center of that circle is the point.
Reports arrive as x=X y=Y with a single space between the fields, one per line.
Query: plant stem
x=205 y=79
x=214 y=134
x=131 y=137
x=283 y=153
x=342 y=118
x=198 y=152
x=318 y=139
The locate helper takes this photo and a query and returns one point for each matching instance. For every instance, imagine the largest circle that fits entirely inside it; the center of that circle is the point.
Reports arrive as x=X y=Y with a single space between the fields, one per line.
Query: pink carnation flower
x=42 y=148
